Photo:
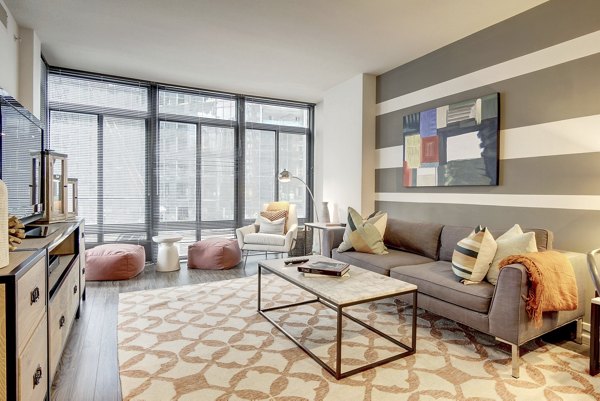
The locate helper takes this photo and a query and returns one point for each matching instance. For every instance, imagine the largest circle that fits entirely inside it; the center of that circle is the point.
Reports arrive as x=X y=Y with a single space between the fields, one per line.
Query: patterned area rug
x=207 y=342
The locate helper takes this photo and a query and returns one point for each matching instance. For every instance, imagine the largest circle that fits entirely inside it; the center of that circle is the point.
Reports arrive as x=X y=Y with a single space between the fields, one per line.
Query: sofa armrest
x=508 y=318
x=290 y=237
x=332 y=238
x=242 y=231
x=508 y=303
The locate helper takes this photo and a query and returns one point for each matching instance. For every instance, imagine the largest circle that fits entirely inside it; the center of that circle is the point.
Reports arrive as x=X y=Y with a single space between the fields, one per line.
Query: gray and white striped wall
x=545 y=63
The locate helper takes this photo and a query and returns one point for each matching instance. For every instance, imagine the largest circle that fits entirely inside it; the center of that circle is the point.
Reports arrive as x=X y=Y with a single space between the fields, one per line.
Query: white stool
x=168 y=256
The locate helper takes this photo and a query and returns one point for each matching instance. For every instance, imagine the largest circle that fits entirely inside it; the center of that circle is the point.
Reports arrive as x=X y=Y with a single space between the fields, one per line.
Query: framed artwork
x=452 y=145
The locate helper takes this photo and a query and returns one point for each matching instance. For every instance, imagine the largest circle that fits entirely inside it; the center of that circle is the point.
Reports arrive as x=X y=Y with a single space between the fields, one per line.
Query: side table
x=594 y=331
x=168 y=256
x=325 y=227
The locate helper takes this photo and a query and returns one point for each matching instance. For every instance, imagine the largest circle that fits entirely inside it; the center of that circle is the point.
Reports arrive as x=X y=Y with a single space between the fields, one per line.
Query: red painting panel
x=430 y=149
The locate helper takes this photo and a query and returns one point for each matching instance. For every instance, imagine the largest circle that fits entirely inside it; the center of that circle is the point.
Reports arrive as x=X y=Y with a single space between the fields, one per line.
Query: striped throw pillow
x=473 y=255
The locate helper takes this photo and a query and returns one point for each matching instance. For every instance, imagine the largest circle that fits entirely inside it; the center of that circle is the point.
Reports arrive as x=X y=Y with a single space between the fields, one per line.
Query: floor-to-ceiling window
x=103 y=128
x=276 y=138
x=155 y=159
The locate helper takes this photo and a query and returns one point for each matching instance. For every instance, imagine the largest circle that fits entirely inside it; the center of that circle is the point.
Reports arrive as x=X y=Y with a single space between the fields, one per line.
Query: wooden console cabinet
x=40 y=294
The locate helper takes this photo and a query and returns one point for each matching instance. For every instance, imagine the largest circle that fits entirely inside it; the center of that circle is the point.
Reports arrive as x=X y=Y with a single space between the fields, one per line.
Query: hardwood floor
x=89 y=369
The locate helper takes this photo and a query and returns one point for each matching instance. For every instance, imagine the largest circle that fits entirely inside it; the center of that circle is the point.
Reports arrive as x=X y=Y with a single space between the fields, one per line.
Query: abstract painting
x=452 y=145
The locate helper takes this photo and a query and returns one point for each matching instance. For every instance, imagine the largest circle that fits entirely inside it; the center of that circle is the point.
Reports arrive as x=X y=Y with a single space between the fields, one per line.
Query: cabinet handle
x=35 y=295
x=61 y=322
x=75 y=289
x=83 y=271
x=37 y=376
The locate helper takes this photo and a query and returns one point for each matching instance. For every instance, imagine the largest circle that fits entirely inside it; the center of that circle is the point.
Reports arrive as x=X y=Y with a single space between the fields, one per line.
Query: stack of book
x=323 y=268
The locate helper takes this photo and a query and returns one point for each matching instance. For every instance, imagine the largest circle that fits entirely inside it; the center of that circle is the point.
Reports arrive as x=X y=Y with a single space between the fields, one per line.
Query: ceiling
x=289 y=49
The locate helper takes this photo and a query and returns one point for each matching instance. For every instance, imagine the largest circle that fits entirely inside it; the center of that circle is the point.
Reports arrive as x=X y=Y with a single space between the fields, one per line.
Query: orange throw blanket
x=552 y=285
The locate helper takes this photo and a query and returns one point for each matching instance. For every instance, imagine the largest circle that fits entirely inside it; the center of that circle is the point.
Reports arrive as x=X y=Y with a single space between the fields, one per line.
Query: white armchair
x=250 y=240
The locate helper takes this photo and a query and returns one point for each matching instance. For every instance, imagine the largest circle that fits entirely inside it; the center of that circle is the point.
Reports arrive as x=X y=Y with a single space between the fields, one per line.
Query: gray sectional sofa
x=421 y=253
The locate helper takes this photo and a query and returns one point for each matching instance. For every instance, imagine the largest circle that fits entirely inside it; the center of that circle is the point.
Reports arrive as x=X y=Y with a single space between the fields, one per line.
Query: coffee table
x=338 y=293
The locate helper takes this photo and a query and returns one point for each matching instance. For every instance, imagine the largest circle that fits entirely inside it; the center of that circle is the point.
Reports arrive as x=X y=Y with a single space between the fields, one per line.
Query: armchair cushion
x=264 y=239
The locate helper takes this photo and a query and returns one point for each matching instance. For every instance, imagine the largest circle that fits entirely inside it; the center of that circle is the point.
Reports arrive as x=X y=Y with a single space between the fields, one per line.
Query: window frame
x=152 y=117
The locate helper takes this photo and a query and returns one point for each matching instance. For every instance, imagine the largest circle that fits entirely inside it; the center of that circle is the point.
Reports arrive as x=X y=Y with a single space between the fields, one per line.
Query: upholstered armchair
x=250 y=239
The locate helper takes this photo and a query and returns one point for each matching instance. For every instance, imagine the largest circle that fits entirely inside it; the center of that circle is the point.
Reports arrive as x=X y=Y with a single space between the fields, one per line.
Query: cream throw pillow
x=364 y=235
x=473 y=255
x=512 y=242
x=271 y=227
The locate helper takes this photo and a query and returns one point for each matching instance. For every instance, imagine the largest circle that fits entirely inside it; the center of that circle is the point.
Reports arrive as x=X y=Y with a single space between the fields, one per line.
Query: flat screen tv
x=21 y=138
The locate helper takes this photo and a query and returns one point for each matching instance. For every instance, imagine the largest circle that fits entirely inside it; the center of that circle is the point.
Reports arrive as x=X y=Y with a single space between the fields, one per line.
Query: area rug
x=207 y=342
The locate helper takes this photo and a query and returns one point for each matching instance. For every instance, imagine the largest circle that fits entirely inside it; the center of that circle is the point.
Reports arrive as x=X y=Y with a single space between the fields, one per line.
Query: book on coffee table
x=318 y=275
x=324 y=267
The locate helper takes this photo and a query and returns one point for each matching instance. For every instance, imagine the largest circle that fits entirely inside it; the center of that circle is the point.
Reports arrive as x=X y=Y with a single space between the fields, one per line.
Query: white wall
x=369 y=109
x=9 y=55
x=29 y=70
x=345 y=147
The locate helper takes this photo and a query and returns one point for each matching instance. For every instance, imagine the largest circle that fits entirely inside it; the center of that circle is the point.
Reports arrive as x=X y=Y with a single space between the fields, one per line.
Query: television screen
x=21 y=139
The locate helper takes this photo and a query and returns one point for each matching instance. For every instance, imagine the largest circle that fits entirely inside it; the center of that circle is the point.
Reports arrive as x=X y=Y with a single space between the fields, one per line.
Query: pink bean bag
x=214 y=254
x=114 y=262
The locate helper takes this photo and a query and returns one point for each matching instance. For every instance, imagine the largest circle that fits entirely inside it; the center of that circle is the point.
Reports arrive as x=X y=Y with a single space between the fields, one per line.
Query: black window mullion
x=276 y=132
x=151 y=160
x=100 y=200
x=240 y=202
x=198 y=181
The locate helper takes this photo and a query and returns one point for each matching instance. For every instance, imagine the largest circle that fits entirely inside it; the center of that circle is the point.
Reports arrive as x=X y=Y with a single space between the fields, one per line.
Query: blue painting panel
x=428 y=123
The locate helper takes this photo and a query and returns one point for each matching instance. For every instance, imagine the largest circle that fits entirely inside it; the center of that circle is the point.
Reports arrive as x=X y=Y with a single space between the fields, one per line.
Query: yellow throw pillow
x=473 y=255
x=275 y=206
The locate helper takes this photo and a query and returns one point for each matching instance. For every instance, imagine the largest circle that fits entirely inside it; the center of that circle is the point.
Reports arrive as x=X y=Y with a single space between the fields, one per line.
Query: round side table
x=168 y=256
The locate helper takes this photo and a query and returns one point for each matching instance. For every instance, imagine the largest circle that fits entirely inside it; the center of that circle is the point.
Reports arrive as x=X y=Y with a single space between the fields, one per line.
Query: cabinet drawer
x=74 y=289
x=33 y=369
x=82 y=257
x=61 y=315
x=31 y=301
x=57 y=322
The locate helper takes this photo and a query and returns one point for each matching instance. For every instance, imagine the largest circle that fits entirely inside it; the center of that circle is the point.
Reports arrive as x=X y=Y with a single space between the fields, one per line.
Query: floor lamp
x=286 y=176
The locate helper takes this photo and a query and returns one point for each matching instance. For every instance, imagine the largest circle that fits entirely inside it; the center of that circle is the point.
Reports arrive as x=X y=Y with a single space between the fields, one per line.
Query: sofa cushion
x=379 y=263
x=419 y=238
x=452 y=234
x=437 y=280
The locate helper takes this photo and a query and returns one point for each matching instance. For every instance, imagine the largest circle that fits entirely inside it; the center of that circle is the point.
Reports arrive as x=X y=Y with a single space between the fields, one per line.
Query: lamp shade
x=284 y=176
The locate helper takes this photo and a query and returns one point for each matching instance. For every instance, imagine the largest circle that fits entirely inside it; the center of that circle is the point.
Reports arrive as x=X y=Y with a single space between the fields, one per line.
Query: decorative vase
x=3 y=225
x=325 y=213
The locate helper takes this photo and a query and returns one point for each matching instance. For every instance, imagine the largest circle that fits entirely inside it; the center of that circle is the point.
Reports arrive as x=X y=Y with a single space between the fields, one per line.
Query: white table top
x=359 y=286
x=324 y=226
x=167 y=238
x=596 y=301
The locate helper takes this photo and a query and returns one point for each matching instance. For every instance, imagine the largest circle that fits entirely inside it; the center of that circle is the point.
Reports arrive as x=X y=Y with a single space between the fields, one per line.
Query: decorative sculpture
x=16 y=232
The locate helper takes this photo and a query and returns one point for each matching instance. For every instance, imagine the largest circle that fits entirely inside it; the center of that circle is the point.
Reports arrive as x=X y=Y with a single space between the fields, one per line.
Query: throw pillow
x=473 y=255
x=271 y=227
x=276 y=215
x=364 y=235
x=282 y=205
x=512 y=242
